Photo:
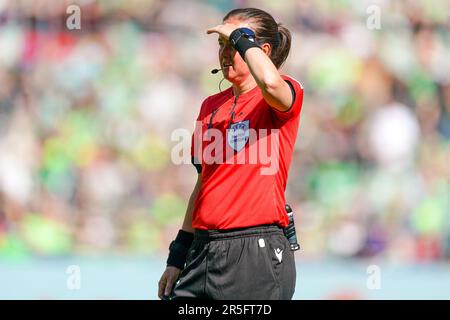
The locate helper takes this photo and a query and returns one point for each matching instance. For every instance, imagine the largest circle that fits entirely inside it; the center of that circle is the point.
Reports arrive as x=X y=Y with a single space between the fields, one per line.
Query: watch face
x=242 y=32
x=248 y=32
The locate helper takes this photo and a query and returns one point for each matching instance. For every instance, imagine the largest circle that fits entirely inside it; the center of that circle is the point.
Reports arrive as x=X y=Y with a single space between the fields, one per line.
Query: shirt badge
x=238 y=134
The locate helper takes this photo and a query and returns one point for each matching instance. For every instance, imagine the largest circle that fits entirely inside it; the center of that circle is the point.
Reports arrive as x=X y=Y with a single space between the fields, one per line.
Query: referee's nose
x=226 y=53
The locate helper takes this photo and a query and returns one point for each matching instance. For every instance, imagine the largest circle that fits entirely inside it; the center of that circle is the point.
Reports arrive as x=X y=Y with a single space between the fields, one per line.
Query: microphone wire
x=220 y=83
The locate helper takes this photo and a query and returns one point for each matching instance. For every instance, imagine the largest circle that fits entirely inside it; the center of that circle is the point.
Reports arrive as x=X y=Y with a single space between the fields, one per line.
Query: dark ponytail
x=267 y=31
x=282 y=51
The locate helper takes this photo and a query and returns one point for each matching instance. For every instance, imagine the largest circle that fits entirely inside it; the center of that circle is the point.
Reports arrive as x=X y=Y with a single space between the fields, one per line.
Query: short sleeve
x=294 y=110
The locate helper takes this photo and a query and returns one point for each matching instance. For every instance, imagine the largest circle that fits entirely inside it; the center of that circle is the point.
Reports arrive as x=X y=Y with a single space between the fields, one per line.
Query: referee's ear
x=266 y=48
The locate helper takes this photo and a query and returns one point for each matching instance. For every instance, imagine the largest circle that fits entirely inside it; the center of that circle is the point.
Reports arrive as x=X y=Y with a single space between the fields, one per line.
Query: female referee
x=232 y=245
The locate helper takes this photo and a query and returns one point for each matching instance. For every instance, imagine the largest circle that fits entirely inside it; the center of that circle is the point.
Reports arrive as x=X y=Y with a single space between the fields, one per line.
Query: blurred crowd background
x=86 y=118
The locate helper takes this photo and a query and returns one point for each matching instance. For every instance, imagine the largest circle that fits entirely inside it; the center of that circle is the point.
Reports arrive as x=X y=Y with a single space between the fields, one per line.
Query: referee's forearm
x=275 y=90
x=261 y=67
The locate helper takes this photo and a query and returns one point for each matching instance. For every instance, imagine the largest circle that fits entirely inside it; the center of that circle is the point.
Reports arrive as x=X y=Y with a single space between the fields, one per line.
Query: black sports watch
x=242 y=32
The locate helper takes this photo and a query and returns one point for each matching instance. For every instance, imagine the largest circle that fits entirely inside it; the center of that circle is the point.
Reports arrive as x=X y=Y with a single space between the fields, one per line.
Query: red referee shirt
x=245 y=149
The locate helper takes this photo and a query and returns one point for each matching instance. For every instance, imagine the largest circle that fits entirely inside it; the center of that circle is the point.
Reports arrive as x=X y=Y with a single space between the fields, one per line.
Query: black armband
x=196 y=164
x=243 y=39
x=179 y=248
x=294 y=95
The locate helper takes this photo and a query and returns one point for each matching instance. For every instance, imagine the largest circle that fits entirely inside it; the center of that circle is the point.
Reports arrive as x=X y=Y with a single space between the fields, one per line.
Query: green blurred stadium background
x=86 y=117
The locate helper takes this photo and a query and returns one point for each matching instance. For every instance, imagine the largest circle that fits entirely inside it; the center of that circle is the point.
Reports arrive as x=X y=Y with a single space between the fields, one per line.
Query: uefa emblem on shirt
x=238 y=134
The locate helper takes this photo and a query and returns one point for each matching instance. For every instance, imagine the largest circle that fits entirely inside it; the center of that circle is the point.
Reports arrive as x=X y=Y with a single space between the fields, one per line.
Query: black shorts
x=252 y=263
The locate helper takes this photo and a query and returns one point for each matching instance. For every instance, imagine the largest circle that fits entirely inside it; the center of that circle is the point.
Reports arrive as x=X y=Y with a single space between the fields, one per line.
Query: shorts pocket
x=282 y=262
x=193 y=254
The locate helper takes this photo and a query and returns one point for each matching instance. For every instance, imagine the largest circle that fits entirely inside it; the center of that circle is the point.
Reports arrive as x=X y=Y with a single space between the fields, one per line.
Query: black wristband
x=179 y=248
x=241 y=42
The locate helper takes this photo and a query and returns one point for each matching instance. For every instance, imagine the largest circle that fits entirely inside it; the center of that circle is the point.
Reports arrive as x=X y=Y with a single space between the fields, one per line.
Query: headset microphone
x=214 y=71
